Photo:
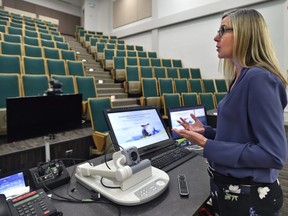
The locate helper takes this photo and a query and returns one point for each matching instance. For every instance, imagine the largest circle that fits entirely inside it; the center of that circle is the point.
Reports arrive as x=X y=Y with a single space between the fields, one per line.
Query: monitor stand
x=47 y=140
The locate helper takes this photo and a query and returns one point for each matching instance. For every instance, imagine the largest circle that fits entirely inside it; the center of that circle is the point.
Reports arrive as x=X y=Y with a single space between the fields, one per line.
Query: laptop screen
x=184 y=112
x=13 y=185
x=142 y=127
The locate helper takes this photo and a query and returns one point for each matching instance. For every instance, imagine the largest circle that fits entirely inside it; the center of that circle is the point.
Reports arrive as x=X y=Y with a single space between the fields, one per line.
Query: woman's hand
x=192 y=136
x=192 y=132
x=197 y=126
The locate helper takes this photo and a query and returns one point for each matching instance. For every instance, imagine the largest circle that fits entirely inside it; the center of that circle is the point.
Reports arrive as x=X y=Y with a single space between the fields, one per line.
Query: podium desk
x=169 y=203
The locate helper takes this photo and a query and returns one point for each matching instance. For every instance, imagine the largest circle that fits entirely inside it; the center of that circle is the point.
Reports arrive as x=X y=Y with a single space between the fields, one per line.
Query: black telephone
x=31 y=202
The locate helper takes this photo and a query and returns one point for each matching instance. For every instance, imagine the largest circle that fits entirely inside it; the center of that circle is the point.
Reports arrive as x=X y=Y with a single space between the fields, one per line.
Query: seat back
x=142 y=54
x=119 y=68
x=221 y=85
x=146 y=72
x=166 y=85
x=68 y=83
x=149 y=87
x=86 y=86
x=68 y=54
x=10 y=64
x=171 y=100
x=131 y=53
x=52 y=53
x=195 y=85
x=31 y=41
x=189 y=99
x=155 y=62
x=120 y=53
x=9 y=48
x=11 y=38
x=159 y=72
x=34 y=85
x=166 y=62
x=34 y=65
x=56 y=67
x=32 y=51
x=62 y=46
x=133 y=80
x=96 y=109
x=208 y=85
x=172 y=73
x=30 y=33
x=207 y=100
x=184 y=73
x=152 y=54
x=15 y=31
x=181 y=86
x=47 y=43
x=144 y=62
x=46 y=36
x=177 y=63
x=195 y=73
x=75 y=68
x=132 y=61
x=9 y=87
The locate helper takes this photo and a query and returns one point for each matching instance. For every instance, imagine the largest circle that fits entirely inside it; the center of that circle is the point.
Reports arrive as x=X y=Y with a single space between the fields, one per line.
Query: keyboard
x=172 y=158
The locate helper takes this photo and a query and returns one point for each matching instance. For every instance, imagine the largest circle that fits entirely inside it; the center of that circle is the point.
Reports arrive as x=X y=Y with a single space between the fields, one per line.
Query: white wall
x=189 y=34
x=99 y=17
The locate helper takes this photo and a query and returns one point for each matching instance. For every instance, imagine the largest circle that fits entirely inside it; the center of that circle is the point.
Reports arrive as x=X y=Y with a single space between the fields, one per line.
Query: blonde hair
x=252 y=44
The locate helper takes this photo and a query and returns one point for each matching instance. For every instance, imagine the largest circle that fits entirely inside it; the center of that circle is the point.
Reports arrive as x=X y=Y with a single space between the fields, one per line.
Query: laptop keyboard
x=172 y=158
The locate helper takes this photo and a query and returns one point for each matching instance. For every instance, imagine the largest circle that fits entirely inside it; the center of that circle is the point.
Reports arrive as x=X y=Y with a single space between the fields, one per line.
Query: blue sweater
x=250 y=139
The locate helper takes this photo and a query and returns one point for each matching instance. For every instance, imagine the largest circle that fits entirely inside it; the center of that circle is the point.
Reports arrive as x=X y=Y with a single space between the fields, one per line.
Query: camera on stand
x=55 y=88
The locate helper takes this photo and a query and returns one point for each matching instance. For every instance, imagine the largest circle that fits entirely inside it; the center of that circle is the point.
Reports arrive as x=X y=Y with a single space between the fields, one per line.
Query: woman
x=248 y=147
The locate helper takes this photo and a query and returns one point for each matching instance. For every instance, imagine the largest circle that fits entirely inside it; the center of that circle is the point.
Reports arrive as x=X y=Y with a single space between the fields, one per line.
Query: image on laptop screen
x=184 y=112
x=13 y=185
x=141 y=127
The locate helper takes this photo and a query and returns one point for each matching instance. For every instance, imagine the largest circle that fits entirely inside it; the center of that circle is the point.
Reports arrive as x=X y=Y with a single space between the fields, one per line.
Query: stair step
x=116 y=95
x=110 y=91
x=125 y=102
x=107 y=87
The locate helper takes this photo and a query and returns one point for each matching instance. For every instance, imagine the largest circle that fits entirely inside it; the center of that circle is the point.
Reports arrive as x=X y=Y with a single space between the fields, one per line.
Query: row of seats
x=15 y=85
x=26 y=20
x=154 y=91
x=50 y=35
x=158 y=66
x=7 y=48
x=34 y=41
x=177 y=85
x=91 y=40
x=175 y=100
x=37 y=65
x=29 y=28
x=97 y=49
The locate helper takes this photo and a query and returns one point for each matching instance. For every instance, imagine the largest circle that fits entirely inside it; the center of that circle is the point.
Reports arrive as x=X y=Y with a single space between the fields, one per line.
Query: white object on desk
x=131 y=188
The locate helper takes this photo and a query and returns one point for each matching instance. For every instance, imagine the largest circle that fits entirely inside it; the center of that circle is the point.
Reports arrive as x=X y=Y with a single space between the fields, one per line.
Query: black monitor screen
x=141 y=127
x=184 y=112
x=29 y=117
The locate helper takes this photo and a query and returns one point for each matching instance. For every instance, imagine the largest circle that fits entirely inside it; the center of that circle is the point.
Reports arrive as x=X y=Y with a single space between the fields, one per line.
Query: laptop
x=141 y=127
x=174 y=115
x=13 y=185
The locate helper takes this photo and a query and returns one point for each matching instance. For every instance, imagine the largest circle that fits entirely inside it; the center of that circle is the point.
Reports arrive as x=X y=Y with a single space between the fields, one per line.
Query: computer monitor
x=3 y=121
x=184 y=112
x=37 y=116
x=141 y=127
